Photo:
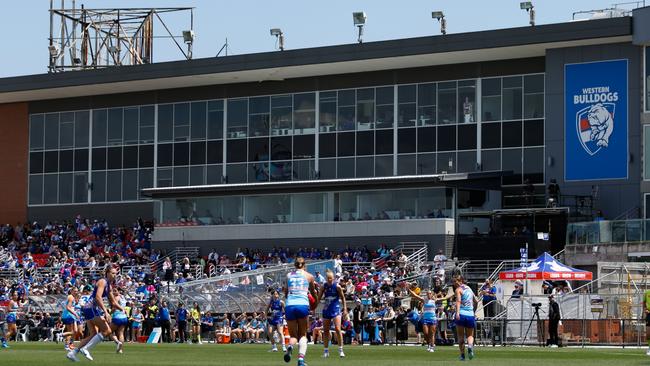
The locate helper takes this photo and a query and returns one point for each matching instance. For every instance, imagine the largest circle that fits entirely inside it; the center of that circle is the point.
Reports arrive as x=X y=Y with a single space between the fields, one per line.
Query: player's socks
x=341 y=354
x=470 y=352
x=98 y=338
x=287 y=353
x=326 y=352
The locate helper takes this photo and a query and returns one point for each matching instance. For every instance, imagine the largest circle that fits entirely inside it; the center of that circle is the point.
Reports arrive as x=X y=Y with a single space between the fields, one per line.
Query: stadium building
x=410 y=140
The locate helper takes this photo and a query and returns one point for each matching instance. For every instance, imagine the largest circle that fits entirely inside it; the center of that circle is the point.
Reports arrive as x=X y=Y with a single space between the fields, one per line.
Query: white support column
x=479 y=120
x=155 y=147
x=394 y=129
x=317 y=133
x=90 y=156
x=225 y=131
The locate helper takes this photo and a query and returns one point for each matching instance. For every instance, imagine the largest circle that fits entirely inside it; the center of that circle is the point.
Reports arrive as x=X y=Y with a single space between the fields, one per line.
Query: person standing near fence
x=553 y=321
x=181 y=322
x=646 y=311
x=165 y=322
x=488 y=293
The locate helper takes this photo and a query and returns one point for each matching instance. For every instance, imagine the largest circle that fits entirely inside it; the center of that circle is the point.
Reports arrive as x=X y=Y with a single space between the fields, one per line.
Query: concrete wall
x=616 y=196
x=14 y=139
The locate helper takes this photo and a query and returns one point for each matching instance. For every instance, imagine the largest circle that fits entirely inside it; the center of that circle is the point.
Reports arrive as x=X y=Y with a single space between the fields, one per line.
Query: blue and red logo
x=595 y=126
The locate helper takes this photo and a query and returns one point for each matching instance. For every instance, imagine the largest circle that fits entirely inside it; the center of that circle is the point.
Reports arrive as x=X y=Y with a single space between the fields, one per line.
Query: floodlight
x=528 y=6
x=441 y=18
x=359 y=18
x=279 y=35
x=54 y=50
x=188 y=36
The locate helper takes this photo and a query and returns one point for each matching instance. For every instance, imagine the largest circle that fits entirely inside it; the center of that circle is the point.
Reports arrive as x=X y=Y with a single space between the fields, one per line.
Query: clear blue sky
x=306 y=23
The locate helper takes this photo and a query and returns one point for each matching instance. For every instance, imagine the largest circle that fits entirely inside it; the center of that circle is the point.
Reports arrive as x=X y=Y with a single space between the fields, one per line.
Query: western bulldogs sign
x=595 y=121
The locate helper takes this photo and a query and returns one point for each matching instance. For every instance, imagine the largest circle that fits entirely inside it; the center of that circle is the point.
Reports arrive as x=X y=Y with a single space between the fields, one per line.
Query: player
x=70 y=317
x=646 y=310
x=465 y=321
x=300 y=284
x=334 y=297
x=11 y=318
x=429 y=318
x=119 y=321
x=275 y=309
x=97 y=311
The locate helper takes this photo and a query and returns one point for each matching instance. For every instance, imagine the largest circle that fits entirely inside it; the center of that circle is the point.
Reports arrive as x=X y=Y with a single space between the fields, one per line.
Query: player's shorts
x=11 y=319
x=466 y=321
x=295 y=312
x=120 y=322
x=647 y=320
x=276 y=321
x=90 y=313
x=135 y=325
x=429 y=322
x=331 y=313
x=68 y=320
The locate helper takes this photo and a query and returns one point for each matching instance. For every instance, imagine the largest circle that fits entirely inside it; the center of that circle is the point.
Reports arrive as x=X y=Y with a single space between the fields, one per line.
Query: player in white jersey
x=465 y=320
x=429 y=318
x=300 y=284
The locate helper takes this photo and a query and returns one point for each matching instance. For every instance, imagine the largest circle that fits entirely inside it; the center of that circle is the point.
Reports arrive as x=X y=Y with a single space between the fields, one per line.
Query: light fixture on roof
x=279 y=36
x=441 y=18
x=188 y=38
x=528 y=6
x=359 y=18
x=54 y=50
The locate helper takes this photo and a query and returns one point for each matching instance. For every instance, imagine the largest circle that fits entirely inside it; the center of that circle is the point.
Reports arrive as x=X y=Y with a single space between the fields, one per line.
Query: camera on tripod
x=536 y=304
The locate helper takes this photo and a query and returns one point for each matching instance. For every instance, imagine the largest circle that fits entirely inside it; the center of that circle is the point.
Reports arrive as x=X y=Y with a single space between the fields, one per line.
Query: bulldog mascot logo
x=595 y=125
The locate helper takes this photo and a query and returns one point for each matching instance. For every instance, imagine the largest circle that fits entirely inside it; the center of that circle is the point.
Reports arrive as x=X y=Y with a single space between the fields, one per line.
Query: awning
x=545 y=267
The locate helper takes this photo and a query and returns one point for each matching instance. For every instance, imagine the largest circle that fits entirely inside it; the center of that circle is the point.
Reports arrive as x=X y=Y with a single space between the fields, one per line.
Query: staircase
x=176 y=256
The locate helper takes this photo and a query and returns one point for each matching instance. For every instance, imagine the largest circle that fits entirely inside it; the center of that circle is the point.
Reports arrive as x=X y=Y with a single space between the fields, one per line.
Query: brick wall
x=14 y=142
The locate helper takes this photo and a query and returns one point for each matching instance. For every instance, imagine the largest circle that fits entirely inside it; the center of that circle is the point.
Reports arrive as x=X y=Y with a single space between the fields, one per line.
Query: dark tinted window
x=406 y=141
x=197 y=153
x=365 y=167
x=466 y=137
x=511 y=134
x=236 y=151
x=181 y=154
x=66 y=160
x=534 y=133
x=534 y=165
x=384 y=142
x=215 y=152
x=427 y=139
x=130 y=157
x=327 y=145
x=99 y=127
x=36 y=162
x=491 y=135
x=81 y=128
x=346 y=144
x=99 y=158
x=365 y=143
x=406 y=164
x=512 y=162
x=384 y=166
x=446 y=138
x=165 y=122
x=281 y=148
x=258 y=149
x=146 y=156
x=345 y=168
x=165 y=157
x=327 y=168
x=303 y=147
x=51 y=162
x=114 y=160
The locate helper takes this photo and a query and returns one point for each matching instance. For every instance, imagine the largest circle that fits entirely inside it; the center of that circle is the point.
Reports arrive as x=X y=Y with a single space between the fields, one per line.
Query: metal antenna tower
x=82 y=38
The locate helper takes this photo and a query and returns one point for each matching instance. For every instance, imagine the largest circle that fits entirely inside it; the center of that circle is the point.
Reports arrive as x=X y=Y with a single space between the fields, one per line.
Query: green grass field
x=24 y=354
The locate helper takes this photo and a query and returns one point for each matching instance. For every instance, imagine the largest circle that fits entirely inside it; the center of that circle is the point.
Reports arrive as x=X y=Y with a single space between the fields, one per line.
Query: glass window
x=215 y=119
x=145 y=156
x=466 y=161
x=115 y=126
x=147 y=124
x=99 y=127
x=181 y=154
x=406 y=164
x=533 y=96
x=512 y=94
x=50 y=188
x=327 y=111
x=534 y=133
x=345 y=168
x=365 y=167
x=130 y=185
x=114 y=158
x=259 y=118
x=534 y=165
x=66 y=160
x=281 y=115
x=165 y=154
x=327 y=145
x=81 y=160
x=346 y=109
x=427 y=104
x=51 y=161
x=303 y=147
x=365 y=109
x=365 y=143
x=446 y=138
x=304 y=113
x=446 y=163
x=384 y=142
x=385 y=101
x=308 y=207
x=165 y=122
x=467 y=101
x=237 y=118
x=197 y=175
x=384 y=166
x=406 y=142
x=447 y=102
x=98 y=187
x=36 y=162
x=427 y=139
x=348 y=206
x=36 y=131
x=181 y=121
x=647 y=78
x=51 y=131
x=66 y=131
x=327 y=168
x=511 y=134
x=130 y=157
x=131 y=125
x=197 y=153
x=304 y=169
x=491 y=160
x=114 y=186
x=346 y=145
x=267 y=209
x=35 y=189
x=215 y=152
x=99 y=158
x=512 y=160
x=281 y=170
x=181 y=176
x=281 y=148
x=198 y=120
x=258 y=149
x=80 y=187
x=236 y=173
x=164 y=178
x=466 y=137
x=81 y=128
x=145 y=180
x=490 y=135
x=491 y=99
x=646 y=152
x=406 y=109
x=214 y=174
x=426 y=164
x=236 y=151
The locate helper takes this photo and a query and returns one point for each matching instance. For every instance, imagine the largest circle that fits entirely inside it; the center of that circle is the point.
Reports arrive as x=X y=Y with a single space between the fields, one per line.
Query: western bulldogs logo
x=595 y=125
